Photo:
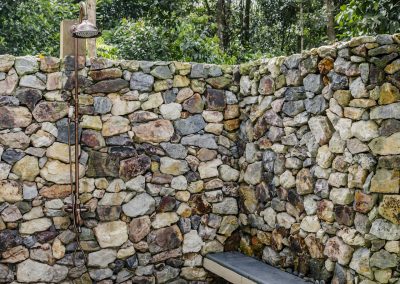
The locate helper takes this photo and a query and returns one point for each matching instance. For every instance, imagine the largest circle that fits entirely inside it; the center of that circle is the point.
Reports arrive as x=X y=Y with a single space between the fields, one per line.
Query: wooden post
x=67 y=41
x=91 y=43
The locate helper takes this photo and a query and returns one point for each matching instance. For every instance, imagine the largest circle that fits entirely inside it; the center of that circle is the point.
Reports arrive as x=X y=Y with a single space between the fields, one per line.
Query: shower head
x=85 y=29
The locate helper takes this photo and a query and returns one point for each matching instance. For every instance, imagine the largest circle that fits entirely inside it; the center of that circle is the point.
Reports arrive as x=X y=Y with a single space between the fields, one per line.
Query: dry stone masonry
x=293 y=160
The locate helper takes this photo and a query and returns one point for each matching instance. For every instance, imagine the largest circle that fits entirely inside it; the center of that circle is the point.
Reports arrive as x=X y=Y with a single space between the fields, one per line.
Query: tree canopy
x=214 y=31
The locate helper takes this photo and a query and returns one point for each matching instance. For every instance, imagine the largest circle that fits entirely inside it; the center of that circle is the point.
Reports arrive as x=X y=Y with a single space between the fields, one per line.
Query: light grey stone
x=101 y=258
x=253 y=173
x=313 y=83
x=176 y=151
x=26 y=65
x=141 y=82
x=31 y=81
x=141 y=204
x=228 y=206
x=203 y=141
x=32 y=271
x=190 y=125
x=386 y=230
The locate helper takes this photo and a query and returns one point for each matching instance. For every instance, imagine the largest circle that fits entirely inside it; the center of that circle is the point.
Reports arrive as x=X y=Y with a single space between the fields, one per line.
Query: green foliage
x=138 y=40
x=368 y=17
x=189 y=39
x=110 y=12
x=195 y=40
x=187 y=30
x=105 y=50
x=32 y=26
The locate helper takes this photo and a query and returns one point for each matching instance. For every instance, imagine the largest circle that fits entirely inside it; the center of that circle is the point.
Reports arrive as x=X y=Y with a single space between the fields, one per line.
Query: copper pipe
x=76 y=124
x=84 y=29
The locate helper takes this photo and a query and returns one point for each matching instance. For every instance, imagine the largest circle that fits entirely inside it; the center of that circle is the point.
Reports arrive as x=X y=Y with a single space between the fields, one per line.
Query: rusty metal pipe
x=84 y=29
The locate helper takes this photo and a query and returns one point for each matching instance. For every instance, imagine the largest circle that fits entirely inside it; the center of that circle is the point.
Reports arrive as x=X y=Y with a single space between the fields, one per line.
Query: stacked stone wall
x=294 y=160
x=319 y=161
x=157 y=145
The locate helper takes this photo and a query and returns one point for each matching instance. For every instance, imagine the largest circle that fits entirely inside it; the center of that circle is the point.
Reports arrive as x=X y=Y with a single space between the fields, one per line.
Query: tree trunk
x=91 y=43
x=241 y=13
x=301 y=26
x=228 y=15
x=223 y=10
x=220 y=17
x=246 y=22
x=330 y=23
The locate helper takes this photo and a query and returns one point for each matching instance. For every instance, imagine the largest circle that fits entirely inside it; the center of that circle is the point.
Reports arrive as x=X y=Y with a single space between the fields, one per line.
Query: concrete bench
x=238 y=268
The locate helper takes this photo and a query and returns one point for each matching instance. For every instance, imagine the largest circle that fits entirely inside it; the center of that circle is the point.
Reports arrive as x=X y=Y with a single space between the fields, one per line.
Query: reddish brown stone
x=215 y=100
x=139 y=228
x=277 y=238
x=231 y=125
x=344 y=215
x=49 y=64
x=157 y=131
x=56 y=191
x=142 y=116
x=15 y=254
x=256 y=246
x=108 y=86
x=325 y=65
x=338 y=251
x=297 y=244
x=199 y=204
x=93 y=139
x=194 y=104
x=232 y=111
x=160 y=178
x=46 y=236
x=164 y=239
x=50 y=111
x=205 y=154
x=363 y=202
x=14 y=117
x=112 y=73
x=263 y=123
x=219 y=82
x=325 y=210
x=266 y=86
x=360 y=50
x=247 y=199
x=134 y=166
x=264 y=143
x=167 y=203
x=315 y=247
x=304 y=182
x=162 y=256
x=232 y=242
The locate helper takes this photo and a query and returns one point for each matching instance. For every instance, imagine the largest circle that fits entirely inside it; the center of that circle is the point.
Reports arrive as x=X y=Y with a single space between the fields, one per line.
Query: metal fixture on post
x=84 y=30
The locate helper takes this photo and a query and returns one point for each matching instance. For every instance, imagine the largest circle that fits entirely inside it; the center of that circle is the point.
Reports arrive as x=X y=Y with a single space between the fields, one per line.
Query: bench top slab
x=253 y=269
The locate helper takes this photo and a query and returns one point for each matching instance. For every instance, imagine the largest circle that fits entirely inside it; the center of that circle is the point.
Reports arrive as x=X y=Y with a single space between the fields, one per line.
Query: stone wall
x=292 y=160
x=155 y=169
x=319 y=161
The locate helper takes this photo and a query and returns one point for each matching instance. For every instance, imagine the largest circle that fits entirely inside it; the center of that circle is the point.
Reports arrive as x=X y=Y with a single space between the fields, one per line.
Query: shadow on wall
x=294 y=160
